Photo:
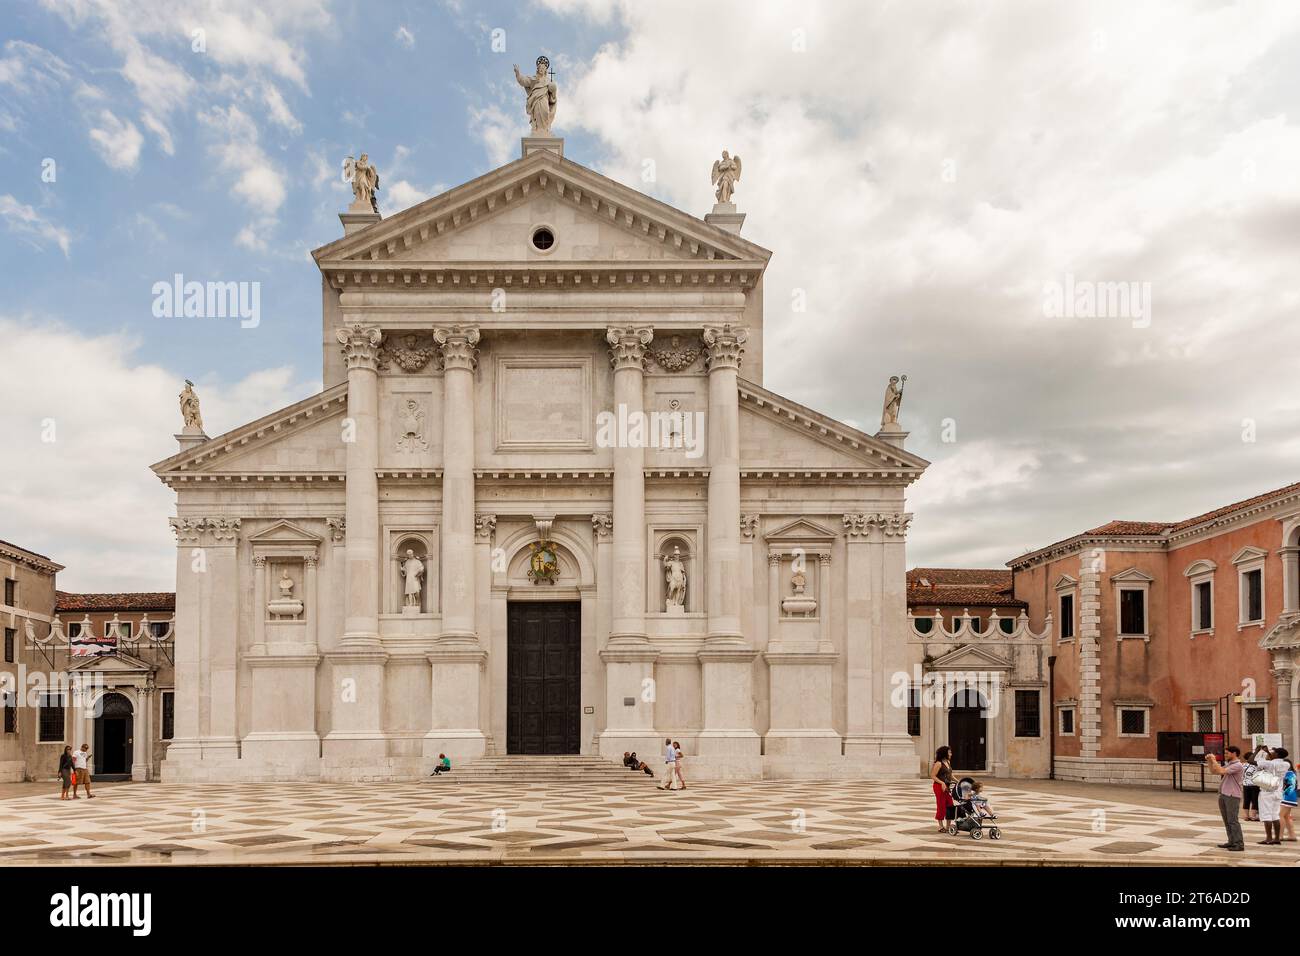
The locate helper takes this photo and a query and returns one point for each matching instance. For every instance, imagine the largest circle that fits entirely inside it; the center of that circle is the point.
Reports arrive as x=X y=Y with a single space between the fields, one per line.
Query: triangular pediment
x=1132 y=576
x=970 y=657
x=490 y=220
x=300 y=440
x=1249 y=553
x=798 y=530
x=284 y=532
x=117 y=663
x=1065 y=582
x=779 y=435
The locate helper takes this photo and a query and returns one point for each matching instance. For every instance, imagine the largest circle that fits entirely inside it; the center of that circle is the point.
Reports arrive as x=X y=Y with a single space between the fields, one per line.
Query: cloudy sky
x=928 y=176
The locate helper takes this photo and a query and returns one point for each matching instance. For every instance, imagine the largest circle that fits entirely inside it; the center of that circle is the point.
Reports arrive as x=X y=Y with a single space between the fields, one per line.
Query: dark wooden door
x=113 y=743
x=543 y=677
x=966 y=728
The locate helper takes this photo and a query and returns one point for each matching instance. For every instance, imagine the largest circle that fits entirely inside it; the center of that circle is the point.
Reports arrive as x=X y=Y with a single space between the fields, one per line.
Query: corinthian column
x=361 y=493
x=457 y=660
x=629 y=658
x=729 y=747
x=357 y=664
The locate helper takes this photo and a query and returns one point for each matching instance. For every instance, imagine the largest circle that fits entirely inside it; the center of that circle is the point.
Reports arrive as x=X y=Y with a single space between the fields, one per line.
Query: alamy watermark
x=208 y=300
x=664 y=430
x=1086 y=299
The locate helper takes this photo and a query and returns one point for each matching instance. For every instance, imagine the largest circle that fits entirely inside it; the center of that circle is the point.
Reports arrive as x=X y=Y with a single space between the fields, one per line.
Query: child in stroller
x=971 y=813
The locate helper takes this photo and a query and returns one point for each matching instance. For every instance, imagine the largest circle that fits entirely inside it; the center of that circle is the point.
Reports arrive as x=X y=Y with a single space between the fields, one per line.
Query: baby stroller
x=971 y=814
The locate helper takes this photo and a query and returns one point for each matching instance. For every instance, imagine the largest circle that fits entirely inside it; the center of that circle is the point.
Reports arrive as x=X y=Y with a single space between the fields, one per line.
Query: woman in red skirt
x=941 y=777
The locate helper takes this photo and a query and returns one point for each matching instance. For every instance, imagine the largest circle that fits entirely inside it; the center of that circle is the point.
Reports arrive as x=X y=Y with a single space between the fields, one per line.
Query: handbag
x=1267 y=780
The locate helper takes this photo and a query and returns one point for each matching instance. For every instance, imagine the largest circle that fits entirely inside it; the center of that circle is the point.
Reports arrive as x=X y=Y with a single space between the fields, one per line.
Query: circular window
x=543 y=239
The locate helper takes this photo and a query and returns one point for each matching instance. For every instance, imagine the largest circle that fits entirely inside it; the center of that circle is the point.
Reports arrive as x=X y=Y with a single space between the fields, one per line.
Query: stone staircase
x=572 y=770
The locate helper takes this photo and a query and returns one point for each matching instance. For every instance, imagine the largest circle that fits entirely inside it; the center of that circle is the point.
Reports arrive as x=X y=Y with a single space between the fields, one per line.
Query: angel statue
x=190 y=407
x=893 y=401
x=365 y=181
x=540 y=104
x=726 y=173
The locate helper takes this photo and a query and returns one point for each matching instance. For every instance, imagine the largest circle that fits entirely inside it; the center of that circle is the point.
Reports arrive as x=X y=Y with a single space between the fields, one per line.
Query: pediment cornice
x=698 y=252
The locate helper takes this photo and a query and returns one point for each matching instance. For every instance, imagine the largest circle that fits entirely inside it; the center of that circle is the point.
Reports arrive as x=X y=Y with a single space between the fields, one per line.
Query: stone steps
x=576 y=770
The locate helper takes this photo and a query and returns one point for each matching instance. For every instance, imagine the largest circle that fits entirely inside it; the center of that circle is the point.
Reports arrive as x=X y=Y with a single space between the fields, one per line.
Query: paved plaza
x=441 y=821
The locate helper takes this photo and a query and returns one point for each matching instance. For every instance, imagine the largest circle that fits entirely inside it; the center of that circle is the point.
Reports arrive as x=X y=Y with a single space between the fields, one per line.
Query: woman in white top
x=677 y=764
x=1270 y=800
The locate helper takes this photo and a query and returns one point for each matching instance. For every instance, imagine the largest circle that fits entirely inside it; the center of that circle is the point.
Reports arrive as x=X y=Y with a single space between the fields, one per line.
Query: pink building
x=1191 y=625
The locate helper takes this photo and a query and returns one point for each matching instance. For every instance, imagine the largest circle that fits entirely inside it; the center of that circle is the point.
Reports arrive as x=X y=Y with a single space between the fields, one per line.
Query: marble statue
x=190 y=407
x=285 y=585
x=726 y=173
x=540 y=103
x=365 y=182
x=893 y=401
x=798 y=583
x=675 y=577
x=412 y=573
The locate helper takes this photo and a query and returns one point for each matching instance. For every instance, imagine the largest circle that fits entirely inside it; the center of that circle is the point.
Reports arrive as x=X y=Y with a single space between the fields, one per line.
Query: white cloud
x=920 y=190
x=117 y=141
x=405 y=37
x=256 y=181
x=32 y=226
x=402 y=195
x=87 y=499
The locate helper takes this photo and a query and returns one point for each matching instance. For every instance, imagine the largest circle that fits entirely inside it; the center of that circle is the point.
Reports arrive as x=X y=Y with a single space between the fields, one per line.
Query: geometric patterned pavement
x=769 y=821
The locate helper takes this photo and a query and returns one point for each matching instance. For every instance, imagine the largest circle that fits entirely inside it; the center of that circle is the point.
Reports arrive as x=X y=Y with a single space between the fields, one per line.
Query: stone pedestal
x=724 y=216
x=548 y=144
x=283 y=720
x=457 y=673
x=356 y=706
x=729 y=748
x=629 y=702
x=355 y=221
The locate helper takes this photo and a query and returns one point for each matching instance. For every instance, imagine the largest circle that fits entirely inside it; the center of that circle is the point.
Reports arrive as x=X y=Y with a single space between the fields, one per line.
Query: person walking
x=1250 y=792
x=670 y=764
x=65 y=770
x=81 y=767
x=941 y=778
x=1288 y=802
x=1273 y=766
x=1229 y=795
x=677 y=765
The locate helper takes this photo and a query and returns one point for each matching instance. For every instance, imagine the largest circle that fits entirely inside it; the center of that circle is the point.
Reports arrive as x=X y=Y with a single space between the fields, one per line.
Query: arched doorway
x=968 y=729
x=113 y=736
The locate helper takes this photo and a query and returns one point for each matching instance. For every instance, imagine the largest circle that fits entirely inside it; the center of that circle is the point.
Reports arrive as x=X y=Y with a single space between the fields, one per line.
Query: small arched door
x=967 y=729
x=113 y=736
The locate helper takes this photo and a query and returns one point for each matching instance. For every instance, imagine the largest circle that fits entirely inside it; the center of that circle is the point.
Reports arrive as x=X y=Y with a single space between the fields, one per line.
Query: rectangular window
x=11 y=637
x=1067 y=721
x=1027 y=715
x=11 y=712
x=1203 y=720
x=1132 y=611
x=11 y=592
x=169 y=715
x=1133 y=721
x=977 y=624
x=1203 y=618
x=1067 y=615
x=1253 y=719
x=51 y=718
x=158 y=629
x=1252 y=598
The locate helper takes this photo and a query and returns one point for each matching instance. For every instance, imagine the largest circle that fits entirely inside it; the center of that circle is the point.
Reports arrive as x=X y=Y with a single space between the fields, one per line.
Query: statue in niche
x=286 y=585
x=798 y=583
x=412 y=576
x=410 y=424
x=675 y=579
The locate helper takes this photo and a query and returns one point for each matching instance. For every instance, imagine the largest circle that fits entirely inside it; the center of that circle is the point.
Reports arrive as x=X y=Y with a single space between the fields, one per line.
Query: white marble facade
x=746 y=596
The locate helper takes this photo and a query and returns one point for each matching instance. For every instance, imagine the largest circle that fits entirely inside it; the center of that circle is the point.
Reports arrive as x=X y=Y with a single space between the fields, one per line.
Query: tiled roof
x=1228 y=509
x=960 y=587
x=1119 y=528
x=130 y=601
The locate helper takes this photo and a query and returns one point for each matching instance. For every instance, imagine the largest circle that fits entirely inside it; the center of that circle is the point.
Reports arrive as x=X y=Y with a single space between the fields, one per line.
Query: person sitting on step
x=443 y=765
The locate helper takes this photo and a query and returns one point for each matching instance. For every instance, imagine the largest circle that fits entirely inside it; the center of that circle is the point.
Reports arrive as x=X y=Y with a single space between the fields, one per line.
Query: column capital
x=457 y=343
x=360 y=345
x=627 y=346
x=724 y=345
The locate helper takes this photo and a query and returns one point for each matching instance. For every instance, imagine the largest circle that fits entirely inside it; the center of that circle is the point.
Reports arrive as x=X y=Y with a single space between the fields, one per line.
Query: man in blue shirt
x=670 y=764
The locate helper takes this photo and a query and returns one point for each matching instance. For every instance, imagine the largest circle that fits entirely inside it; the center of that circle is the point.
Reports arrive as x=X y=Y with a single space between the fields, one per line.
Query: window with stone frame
x=1252 y=595
x=11 y=592
x=914 y=711
x=1067 y=721
x=1028 y=714
x=1007 y=624
x=977 y=624
x=1132 y=611
x=1203 y=720
x=11 y=638
x=51 y=720
x=923 y=624
x=1067 y=616
x=1254 y=719
x=1133 y=722
x=1203 y=608
x=168 y=714
x=11 y=711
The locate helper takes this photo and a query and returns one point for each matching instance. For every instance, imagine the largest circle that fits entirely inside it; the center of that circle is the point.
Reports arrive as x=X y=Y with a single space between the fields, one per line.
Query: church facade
x=544 y=504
